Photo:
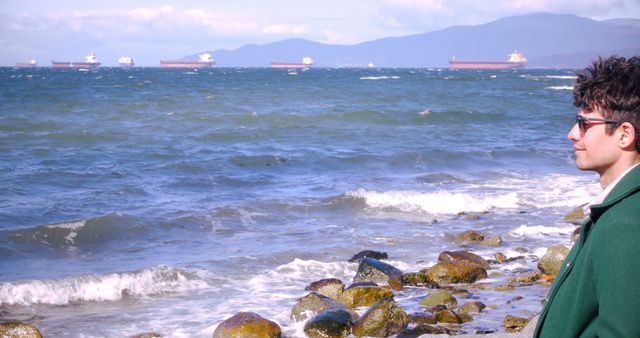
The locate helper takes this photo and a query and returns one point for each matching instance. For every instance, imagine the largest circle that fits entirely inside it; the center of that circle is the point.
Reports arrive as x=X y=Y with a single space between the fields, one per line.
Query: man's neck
x=615 y=172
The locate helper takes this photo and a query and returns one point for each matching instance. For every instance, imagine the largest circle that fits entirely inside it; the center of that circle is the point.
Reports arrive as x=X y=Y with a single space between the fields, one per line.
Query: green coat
x=597 y=291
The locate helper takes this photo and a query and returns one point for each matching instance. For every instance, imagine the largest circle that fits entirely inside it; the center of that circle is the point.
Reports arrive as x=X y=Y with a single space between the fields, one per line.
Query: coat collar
x=628 y=185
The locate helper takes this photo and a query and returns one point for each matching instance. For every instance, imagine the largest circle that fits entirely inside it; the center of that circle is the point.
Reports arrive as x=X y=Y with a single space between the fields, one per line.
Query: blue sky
x=148 y=31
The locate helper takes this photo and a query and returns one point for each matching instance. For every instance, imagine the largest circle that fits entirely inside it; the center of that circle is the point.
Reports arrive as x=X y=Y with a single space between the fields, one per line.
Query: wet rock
x=368 y=253
x=420 y=330
x=500 y=257
x=316 y=303
x=448 y=316
x=514 y=324
x=330 y=287
x=469 y=236
x=576 y=216
x=329 y=324
x=373 y=270
x=451 y=273
x=15 y=329
x=247 y=324
x=505 y=288
x=465 y=317
x=462 y=293
x=147 y=335
x=385 y=318
x=575 y=235
x=462 y=256
x=422 y=318
x=439 y=297
x=525 y=278
x=493 y=241
x=472 y=307
x=551 y=262
x=359 y=296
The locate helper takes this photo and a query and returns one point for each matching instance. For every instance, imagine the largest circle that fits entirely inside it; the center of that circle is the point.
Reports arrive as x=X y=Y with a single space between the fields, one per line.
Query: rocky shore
x=367 y=306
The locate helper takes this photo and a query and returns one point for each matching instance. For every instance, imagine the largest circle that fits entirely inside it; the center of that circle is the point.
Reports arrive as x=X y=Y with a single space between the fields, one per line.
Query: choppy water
x=144 y=199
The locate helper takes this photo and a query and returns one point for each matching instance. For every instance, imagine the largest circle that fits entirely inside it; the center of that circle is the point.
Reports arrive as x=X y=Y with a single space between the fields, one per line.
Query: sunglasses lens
x=581 y=122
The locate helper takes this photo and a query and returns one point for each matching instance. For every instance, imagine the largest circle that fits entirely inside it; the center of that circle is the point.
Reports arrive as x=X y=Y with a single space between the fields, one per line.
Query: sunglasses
x=584 y=122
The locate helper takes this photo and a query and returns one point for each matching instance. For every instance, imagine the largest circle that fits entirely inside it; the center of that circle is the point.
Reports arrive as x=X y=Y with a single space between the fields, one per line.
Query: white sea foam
x=537 y=230
x=440 y=202
x=561 y=77
x=561 y=87
x=97 y=288
x=71 y=226
x=379 y=77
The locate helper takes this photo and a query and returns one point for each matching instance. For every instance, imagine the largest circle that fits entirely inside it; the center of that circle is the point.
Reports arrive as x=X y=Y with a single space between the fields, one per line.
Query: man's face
x=594 y=148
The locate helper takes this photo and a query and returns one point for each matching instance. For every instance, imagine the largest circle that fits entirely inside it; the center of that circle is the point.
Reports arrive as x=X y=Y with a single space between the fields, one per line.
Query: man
x=597 y=291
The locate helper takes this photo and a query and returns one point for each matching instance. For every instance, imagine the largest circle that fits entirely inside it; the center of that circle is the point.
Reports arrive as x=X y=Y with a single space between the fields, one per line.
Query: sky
x=68 y=30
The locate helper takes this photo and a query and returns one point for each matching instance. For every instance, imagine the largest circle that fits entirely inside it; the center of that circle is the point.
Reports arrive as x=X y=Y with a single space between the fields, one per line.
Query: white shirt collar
x=604 y=193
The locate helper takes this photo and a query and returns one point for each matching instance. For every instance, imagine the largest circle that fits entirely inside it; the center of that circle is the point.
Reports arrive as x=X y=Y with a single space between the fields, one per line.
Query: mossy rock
x=448 y=316
x=505 y=288
x=469 y=236
x=552 y=260
x=385 y=318
x=329 y=324
x=316 y=303
x=330 y=287
x=15 y=329
x=439 y=297
x=493 y=241
x=420 y=330
x=576 y=215
x=514 y=324
x=247 y=324
x=452 y=273
x=472 y=307
x=462 y=256
x=360 y=296
x=373 y=270
x=525 y=278
x=422 y=318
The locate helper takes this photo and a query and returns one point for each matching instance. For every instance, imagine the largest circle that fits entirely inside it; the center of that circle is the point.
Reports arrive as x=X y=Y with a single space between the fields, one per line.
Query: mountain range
x=547 y=40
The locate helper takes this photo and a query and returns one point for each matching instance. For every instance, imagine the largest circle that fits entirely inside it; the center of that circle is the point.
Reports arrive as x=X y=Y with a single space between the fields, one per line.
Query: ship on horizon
x=31 y=64
x=126 y=62
x=205 y=60
x=516 y=60
x=307 y=62
x=91 y=61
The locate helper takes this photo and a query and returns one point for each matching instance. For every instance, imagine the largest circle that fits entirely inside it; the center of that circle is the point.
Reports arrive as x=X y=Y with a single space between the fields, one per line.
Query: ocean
x=147 y=199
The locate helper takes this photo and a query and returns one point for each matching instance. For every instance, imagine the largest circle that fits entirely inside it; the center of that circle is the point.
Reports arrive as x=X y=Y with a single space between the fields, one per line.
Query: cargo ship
x=126 y=61
x=205 y=60
x=91 y=61
x=307 y=62
x=31 y=64
x=516 y=60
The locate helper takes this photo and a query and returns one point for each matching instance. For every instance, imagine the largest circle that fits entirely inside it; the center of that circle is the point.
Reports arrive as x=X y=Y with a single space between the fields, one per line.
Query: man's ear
x=627 y=137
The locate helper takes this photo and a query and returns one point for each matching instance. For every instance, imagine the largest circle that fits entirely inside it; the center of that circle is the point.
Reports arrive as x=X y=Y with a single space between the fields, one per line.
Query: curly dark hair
x=611 y=85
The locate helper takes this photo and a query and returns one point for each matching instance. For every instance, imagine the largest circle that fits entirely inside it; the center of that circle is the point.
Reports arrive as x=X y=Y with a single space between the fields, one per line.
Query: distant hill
x=547 y=40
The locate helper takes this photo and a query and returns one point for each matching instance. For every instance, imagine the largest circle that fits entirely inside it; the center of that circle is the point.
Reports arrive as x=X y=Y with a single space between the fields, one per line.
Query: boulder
x=448 y=316
x=330 y=287
x=575 y=235
x=514 y=324
x=418 y=279
x=147 y=335
x=469 y=236
x=493 y=241
x=505 y=287
x=385 y=318
x=334 y=323
x=462 y=256
x=15 y=329
x=576 y=216
x=360 y=296
x=315 y=303
x=525 y=278
x=439 y=297
x=460 y=272
x=420 y=330
x=247 y=324
x=472 y=307
x=551 y=262
x=373 y=270
x=422 y=318
x=500 y=257
x=368 y=253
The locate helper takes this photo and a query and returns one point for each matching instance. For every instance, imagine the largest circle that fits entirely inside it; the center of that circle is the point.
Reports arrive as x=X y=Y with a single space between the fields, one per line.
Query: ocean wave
x=560 y=87
x=379 y=78
x=440 y=202
x=561 y=77
x=100 y=288
x=75 y=234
